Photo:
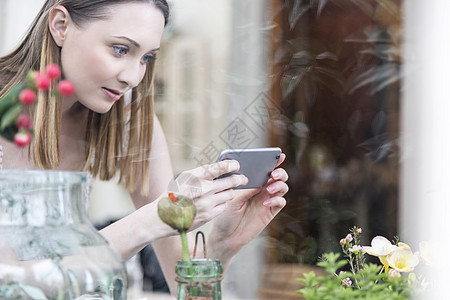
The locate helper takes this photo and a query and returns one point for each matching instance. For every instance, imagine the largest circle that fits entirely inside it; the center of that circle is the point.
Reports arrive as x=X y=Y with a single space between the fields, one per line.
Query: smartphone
x=256 y=164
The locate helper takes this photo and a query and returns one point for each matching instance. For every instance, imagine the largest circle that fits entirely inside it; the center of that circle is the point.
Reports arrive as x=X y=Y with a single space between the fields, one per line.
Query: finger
x=186 y=184
x=242 y=196
x=278 y=188
x=279 y=174
x=227 y=183
x=212 y=212
x=275 y=203
x=216 y=169
x=215 y=200
x=281 y=159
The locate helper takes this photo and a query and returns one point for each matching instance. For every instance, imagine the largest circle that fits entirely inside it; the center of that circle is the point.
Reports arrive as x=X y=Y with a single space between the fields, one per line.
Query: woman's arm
x=168 y=248
x=133 y=232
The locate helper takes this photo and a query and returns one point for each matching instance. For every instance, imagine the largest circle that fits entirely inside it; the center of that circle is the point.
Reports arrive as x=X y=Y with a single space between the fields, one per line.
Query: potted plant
x=353 y=278
x=197 y=278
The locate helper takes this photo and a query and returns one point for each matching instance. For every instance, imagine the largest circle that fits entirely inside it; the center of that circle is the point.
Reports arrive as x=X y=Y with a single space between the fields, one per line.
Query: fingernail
x=267 y=202
x=234 y=165
x=276 y=174
x=271 y=189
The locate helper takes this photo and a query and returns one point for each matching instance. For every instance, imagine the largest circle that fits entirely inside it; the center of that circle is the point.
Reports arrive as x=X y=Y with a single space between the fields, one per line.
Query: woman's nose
x=131 y=74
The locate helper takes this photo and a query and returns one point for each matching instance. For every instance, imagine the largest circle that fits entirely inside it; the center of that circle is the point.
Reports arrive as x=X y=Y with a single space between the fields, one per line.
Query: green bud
x=177 y=212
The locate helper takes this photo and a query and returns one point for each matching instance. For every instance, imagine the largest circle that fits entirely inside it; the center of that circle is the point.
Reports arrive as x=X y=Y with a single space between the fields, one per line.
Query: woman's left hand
x=248 y=213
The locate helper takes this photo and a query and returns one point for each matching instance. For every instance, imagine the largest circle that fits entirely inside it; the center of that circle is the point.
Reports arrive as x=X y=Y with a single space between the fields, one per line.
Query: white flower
x=402 y=260
x=428 y=253
x=394 y=274
x=381 y=246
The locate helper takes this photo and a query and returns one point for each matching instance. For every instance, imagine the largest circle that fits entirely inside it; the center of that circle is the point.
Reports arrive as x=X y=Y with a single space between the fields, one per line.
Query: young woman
x=107 y=49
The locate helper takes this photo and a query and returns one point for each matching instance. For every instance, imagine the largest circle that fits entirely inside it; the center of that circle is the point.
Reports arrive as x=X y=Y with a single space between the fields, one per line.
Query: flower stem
x=184 y=245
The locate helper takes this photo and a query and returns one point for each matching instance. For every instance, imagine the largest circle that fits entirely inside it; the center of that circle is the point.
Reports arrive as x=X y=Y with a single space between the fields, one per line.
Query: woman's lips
x=113 y=94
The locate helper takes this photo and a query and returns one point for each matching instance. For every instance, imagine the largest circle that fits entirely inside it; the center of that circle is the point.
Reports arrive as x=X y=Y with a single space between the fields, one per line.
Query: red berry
x=53 y=71
x=42 y=81
x=35 y=74
x=22 y=138
x=27 y=96
x=23 y=121
x=65 y=87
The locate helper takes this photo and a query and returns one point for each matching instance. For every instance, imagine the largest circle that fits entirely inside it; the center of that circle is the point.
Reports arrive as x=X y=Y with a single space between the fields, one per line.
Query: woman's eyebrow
x=136 y=44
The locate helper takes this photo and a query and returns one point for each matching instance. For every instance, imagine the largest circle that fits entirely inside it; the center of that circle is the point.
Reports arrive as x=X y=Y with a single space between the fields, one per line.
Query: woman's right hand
x=210 y=195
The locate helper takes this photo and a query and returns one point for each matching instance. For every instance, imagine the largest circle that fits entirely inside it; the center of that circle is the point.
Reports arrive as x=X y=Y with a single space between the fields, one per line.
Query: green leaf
x=340 y=264
x=10 y=116
x=330 y=262
x=309 y=279
x=9 y=133
x=9 y=99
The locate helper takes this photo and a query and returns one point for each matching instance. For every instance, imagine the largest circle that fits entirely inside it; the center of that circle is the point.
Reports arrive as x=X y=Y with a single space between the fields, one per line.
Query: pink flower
x=347 y=281
x=65 y=87
x=22 y=138
x=355 y=249
x=27 y=96
x=349 y=237
x=53 y=71
x=23 y=121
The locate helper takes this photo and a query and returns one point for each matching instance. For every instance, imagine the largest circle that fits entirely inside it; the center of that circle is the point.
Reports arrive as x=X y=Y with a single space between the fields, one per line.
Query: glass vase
x=199 y=279
x=49 y=249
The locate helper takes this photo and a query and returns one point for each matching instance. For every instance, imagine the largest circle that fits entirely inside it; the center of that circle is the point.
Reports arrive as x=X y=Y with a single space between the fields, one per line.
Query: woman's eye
x=120 y=50
x=147 y=58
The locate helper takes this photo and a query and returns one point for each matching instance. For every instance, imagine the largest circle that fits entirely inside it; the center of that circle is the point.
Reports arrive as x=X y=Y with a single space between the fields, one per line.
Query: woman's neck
x=73 y=136
x=74 y=120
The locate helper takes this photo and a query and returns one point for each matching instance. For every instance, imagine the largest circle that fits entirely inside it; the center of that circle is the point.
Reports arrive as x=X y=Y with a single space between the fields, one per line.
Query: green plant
x=15 y=124
x=178 y=212
x=351 y=277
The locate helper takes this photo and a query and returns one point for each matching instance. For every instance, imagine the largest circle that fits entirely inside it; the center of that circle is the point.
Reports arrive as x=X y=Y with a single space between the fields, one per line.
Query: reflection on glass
x=336 y=67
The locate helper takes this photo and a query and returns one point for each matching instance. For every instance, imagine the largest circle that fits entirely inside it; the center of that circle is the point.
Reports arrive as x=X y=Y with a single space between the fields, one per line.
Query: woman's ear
x=57 y=21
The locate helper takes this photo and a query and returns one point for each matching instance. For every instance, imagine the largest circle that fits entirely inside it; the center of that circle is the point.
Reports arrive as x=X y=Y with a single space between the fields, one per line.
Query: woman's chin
x=102 y=108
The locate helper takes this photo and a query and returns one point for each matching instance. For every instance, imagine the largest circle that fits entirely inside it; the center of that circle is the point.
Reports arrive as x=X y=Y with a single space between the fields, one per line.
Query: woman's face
x=106 y=58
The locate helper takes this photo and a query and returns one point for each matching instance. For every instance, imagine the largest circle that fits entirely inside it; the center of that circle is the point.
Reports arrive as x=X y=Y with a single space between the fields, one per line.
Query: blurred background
x=322 y=79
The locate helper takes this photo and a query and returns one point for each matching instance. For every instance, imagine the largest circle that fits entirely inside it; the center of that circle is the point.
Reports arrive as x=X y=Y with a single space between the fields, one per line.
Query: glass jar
x=49 y=249
x=199 y=279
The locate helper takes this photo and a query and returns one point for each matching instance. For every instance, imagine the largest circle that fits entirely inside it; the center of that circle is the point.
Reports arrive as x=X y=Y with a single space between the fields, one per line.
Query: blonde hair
x=105 y=138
